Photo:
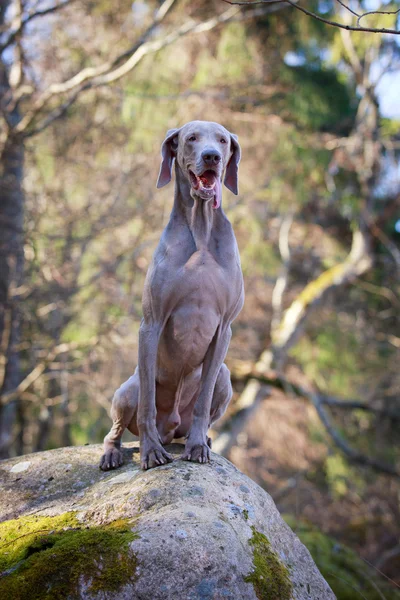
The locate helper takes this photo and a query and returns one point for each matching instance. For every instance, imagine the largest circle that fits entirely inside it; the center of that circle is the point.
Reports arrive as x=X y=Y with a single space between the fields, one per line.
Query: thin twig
x=319 y=18
x=348 y=8
x=379 y=290
x=349 y=584
x=377 y=12
x=385 y=556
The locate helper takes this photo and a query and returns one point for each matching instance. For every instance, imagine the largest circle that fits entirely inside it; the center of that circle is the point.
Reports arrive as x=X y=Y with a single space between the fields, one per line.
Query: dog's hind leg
x=123 y=413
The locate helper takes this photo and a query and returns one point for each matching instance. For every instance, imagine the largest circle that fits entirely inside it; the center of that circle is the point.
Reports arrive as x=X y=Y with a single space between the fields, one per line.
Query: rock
x=181 y=531
x=21 y=466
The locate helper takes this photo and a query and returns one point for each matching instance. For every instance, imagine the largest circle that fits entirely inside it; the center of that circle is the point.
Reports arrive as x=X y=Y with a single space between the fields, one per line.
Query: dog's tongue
x=217 y=194
x=208 y=178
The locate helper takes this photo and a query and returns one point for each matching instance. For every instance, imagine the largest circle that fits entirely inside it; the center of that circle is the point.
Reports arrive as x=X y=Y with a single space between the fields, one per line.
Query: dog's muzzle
x=207 y=186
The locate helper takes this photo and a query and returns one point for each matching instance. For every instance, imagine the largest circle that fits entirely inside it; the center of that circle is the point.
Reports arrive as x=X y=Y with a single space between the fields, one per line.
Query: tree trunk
x=11 y=259
x=11 y=271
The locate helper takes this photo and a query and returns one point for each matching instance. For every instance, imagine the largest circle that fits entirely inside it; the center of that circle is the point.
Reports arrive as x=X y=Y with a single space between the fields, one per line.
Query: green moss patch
x=348 y=575
x=270 y=577
x=52 y=558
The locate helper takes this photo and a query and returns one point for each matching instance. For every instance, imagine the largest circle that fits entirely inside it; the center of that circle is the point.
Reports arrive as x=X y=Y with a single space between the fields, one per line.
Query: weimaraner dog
x=193 y=291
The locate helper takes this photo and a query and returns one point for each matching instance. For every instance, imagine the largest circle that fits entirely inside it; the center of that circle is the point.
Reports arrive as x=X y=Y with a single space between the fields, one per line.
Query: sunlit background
x=315 y=352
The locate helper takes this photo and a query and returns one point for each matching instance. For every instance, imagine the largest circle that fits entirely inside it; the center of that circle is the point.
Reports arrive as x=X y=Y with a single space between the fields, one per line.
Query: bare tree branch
x=358 y=405
x=353 y=455
x=380 y=291
x=282 y=280
x=327 y=21
x=90 y=73
x=319 y=401
x=30 y=17
x=55 y=114
x=124 y=63
x=246 y=372
x=40 y=368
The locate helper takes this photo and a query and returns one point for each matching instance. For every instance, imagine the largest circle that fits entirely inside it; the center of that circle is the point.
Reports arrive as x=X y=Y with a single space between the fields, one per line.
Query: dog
x=192 y=293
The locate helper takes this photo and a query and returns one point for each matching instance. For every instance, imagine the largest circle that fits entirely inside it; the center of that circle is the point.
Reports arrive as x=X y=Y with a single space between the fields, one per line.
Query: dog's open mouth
x=207 y=186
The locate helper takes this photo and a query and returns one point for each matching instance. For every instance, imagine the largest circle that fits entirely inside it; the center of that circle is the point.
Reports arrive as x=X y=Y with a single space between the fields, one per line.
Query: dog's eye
x=192 y=138
x=223 y=141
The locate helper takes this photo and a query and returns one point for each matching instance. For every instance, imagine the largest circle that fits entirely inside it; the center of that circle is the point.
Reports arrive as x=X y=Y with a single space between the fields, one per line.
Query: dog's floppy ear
x=168 y=153
x=231 y=173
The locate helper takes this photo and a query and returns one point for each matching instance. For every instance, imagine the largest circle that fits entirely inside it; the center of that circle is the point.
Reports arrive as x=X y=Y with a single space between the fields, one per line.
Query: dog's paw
x=197 y=453
x=154 y=456
x=111 y=459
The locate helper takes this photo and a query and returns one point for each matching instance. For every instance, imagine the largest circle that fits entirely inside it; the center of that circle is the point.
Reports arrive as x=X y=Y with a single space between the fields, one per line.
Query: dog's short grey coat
x=193 y=292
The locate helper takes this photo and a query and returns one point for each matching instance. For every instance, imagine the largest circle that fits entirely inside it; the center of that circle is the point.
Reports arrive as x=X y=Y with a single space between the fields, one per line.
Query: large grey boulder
x=180 y=531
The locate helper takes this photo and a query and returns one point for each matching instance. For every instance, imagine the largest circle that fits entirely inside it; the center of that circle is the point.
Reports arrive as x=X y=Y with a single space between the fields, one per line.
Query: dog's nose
x=210 y=156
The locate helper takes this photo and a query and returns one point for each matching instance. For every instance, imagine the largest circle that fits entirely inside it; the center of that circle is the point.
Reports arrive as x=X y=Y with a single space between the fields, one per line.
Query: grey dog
x=193 y=291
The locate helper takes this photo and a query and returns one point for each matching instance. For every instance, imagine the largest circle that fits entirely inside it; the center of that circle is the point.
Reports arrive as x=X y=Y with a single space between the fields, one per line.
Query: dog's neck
x=198 y=214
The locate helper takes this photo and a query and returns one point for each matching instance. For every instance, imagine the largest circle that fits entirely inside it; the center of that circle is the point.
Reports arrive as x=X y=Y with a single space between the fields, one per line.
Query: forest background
x=88 y=90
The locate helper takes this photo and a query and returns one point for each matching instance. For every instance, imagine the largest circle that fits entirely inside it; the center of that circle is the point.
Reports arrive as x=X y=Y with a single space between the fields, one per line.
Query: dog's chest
x=203 y=283
x=201 y=294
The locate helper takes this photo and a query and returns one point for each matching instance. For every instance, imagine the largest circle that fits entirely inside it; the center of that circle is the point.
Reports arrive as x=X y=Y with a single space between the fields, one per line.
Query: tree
x=29 y=106
x=363 y=154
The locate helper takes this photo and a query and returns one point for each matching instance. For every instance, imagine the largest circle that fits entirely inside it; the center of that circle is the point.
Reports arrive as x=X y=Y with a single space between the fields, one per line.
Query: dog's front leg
x=152 y=452
x=197 y=449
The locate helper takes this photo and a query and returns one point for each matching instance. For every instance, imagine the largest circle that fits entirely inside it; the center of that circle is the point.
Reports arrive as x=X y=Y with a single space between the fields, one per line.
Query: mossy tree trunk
x=358 y=262
x=290 y=327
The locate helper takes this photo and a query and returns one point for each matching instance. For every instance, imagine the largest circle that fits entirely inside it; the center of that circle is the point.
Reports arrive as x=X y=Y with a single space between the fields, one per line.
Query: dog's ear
x=168 y=153
x=231 y=173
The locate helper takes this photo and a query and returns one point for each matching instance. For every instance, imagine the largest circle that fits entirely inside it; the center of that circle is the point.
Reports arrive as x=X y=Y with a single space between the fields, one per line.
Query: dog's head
x=204 y=152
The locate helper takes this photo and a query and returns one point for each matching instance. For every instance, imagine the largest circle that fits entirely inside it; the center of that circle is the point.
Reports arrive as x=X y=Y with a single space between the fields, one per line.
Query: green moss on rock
x=53 y=558
x=270 y=578
x=347 y=574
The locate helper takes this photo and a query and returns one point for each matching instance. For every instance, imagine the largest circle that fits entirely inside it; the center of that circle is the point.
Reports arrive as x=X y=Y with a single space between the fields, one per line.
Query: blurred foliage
x=318 y=99
x=93 y=216
x=347 y=574
x=340 y=476
x=332 y=358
